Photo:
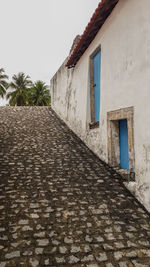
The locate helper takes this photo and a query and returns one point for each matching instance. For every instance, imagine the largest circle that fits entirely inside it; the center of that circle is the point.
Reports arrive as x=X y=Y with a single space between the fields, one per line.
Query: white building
x=102 y=91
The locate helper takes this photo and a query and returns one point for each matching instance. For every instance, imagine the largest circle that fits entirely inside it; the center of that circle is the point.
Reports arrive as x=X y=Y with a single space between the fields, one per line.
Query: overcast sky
x=36 y=35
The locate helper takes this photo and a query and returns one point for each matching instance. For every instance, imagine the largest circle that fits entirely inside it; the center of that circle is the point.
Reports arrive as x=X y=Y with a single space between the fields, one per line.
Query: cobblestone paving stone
x=59 y=204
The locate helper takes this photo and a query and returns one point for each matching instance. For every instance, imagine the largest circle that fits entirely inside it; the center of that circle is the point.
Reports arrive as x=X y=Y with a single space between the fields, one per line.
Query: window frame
x=93 y=124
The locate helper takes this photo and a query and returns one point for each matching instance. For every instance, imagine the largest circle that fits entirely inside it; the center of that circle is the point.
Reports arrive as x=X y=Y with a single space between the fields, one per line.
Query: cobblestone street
x=59 y=204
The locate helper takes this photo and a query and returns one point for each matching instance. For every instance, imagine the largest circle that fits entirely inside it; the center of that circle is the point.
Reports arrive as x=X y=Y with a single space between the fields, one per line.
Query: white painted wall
x=125 y=82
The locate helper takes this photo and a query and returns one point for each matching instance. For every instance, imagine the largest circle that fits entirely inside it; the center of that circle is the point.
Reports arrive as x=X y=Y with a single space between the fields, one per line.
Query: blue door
x=124 y=151
x=97 y=70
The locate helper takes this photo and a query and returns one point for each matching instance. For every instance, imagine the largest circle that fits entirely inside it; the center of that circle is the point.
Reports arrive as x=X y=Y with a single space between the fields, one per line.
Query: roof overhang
x=100 y=15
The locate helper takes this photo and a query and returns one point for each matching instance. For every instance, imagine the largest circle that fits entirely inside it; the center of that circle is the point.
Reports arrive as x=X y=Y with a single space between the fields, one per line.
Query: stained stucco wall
x=125 y=82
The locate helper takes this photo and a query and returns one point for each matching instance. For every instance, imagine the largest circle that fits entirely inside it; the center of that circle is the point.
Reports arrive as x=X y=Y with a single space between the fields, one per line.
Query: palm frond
x=39 y=94
x=20 y=84
x=3 y=82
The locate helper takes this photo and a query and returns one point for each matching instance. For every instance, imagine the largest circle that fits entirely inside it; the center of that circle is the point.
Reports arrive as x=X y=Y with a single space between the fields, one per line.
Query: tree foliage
x=20 y=85
x=39 y=95
x=3 y=82
x=23 y=92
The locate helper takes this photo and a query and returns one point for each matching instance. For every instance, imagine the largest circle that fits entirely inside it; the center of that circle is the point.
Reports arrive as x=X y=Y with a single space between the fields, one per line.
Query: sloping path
x=59 y=204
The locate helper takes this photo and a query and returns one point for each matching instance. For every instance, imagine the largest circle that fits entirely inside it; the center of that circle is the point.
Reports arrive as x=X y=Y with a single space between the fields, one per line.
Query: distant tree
x=39 y=95
x=3 y=82
x=20 y=86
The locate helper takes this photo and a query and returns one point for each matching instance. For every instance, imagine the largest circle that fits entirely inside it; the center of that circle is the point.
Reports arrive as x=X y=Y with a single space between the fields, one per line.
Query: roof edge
x=100 y=15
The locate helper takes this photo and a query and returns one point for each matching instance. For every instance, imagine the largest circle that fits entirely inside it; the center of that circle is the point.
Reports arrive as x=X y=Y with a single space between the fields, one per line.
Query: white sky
x=36 y=35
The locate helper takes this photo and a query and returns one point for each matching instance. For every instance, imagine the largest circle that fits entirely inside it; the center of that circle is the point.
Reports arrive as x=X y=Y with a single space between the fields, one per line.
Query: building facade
x=102 y=90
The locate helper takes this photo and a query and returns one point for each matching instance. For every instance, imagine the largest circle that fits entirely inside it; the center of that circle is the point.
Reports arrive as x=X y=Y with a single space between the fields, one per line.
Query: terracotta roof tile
x=100 y=15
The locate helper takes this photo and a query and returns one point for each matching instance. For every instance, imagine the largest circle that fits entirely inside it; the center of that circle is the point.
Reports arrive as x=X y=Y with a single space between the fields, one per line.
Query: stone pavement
x=59 y=204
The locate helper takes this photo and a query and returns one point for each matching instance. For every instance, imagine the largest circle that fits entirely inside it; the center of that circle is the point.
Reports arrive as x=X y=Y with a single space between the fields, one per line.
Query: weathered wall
x=125 y=82
x=67 y=99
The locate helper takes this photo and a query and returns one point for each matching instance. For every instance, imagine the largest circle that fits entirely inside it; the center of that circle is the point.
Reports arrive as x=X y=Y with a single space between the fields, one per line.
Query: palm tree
x=3 y=82
x=39 y=95
x=20 y=85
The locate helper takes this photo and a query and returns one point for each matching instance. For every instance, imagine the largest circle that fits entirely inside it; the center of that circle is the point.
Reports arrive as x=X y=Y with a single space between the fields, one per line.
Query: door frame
x=113 y=118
